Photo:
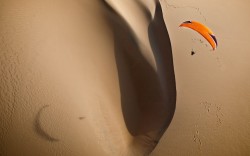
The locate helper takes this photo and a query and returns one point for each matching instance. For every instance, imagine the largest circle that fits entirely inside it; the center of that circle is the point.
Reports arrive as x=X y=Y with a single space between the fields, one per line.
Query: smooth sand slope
x=84 y=77
x=213 y=89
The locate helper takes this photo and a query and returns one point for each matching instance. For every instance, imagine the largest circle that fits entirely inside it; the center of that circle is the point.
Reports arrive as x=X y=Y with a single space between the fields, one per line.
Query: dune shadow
x=148 y=96
x=162 y=50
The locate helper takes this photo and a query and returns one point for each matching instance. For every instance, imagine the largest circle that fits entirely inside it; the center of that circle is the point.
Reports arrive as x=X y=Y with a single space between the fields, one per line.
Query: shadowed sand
x=90 y=60
x=148 y=96
x=106 y=71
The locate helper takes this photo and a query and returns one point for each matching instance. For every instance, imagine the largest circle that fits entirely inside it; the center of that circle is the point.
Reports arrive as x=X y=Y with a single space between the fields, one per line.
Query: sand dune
x=62 y=60
x=98 y=78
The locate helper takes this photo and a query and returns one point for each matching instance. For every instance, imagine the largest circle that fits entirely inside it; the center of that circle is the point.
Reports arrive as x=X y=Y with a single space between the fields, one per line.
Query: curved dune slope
x=148 y=93
x=84 y=77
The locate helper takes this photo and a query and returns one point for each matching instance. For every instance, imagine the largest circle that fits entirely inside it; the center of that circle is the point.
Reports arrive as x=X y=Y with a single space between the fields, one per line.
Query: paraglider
x=203 y=30
x=192 y=52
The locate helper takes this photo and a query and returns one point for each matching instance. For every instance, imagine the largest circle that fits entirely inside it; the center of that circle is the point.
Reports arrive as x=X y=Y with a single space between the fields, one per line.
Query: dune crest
x=107 y=61
x=146 y=75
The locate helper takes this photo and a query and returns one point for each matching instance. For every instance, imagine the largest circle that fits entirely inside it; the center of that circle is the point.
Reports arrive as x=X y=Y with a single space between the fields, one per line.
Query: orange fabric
x=203 y=30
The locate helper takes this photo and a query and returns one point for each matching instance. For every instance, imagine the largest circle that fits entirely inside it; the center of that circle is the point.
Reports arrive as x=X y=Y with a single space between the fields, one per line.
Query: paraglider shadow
x=38 y=127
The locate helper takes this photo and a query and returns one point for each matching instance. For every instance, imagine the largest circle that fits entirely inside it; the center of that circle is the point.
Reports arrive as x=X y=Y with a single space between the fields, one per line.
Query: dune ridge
x=150 y=112
x=86 y=77
x=84 y=58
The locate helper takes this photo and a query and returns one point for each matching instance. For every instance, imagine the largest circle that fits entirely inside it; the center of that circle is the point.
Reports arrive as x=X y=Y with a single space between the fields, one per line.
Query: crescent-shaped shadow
x=38 y=128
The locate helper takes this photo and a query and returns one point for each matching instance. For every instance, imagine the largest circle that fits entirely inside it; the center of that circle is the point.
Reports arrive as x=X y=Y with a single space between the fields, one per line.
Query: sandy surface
x=212 y=111
x=98 y=78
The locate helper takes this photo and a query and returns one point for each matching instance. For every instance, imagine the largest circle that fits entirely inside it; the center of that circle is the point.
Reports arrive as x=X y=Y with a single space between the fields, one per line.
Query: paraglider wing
x=203 y=30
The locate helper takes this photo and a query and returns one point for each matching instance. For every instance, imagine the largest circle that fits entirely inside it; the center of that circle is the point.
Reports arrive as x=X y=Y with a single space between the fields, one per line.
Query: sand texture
x=117 y=78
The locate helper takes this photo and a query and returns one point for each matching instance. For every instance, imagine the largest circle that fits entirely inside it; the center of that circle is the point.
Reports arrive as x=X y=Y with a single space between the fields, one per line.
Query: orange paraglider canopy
x=203 y=30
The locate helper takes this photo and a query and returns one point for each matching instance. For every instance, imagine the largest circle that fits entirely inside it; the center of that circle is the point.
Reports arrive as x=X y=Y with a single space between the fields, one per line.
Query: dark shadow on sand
x=148 y=96
x=161 y=47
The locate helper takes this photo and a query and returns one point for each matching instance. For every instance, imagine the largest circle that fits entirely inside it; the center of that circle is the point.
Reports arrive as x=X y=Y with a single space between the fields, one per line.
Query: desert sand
x=117 y=78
